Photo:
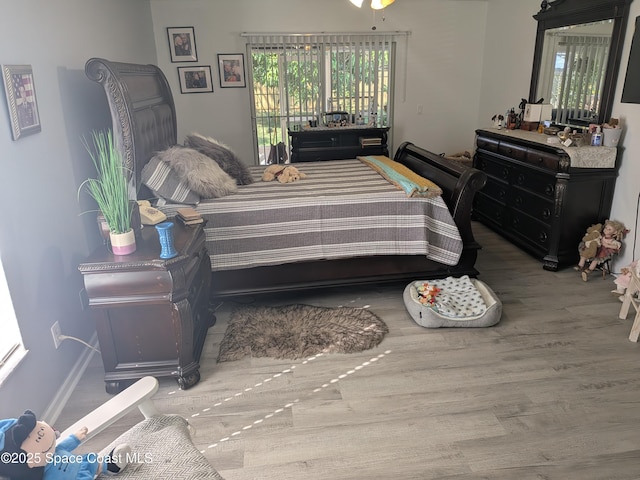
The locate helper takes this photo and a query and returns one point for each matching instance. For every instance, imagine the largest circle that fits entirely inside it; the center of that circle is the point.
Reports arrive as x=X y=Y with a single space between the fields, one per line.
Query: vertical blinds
x=579 y=82
x=296 y=77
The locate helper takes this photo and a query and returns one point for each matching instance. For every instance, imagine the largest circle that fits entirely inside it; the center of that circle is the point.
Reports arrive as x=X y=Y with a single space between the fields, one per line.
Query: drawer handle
x=509 y=151
x=548 y=189
x=515 y=222
x=505 y=173
x=542 y=237
x=540 y=159
x=518 y=200
x=546 y=213
x=521 y=179
x=502 y=194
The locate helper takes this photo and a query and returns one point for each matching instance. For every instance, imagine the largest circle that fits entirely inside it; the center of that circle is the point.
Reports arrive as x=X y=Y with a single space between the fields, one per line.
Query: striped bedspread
x=342 y=209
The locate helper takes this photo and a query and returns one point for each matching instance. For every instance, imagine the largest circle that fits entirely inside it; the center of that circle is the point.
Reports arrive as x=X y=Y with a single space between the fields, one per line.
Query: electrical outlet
x=56 y=331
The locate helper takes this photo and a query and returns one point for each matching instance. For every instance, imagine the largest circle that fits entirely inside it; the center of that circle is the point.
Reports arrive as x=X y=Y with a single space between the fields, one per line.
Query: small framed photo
x=21 y=100
x=182 y=44
x=231 y=70
x=195 y=79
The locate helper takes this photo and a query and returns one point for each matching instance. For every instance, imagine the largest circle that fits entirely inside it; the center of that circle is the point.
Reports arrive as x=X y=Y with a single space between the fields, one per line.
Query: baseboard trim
x=65 y=391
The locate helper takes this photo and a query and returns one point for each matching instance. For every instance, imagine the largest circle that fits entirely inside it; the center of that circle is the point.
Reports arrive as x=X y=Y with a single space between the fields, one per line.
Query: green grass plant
x=110 y=188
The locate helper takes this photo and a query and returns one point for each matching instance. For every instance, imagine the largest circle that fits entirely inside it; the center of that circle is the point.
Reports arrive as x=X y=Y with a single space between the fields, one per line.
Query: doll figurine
x=29 y=452
x=623 y=280
x=598 y=247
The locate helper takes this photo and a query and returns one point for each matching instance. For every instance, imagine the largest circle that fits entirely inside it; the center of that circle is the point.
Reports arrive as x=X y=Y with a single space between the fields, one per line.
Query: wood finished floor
x=551 y=392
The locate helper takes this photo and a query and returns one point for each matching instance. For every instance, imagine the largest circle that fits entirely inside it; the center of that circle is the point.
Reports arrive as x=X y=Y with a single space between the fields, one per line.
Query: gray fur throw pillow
x=223 y=155
x=202 y=174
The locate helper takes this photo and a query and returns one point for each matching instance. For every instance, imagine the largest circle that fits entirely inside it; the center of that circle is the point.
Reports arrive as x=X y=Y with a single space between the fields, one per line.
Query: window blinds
x=296 y=78
x=580 y=69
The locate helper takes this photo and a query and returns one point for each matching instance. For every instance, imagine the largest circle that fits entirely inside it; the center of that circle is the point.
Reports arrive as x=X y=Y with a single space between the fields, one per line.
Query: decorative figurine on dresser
x=540 y=196
x=152 y=314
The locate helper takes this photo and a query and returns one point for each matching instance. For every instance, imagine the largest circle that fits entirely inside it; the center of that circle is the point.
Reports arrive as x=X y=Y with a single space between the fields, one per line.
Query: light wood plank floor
x=552 y=392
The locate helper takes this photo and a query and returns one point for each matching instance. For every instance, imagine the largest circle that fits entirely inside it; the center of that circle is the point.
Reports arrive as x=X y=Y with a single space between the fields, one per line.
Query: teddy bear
x=591 y=241
x=284 y=174
x=28 y=451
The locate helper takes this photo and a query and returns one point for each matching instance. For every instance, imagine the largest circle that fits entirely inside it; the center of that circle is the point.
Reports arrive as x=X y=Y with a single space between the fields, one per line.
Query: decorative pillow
x=200 y=172
x=164 y=182
x=223 y=156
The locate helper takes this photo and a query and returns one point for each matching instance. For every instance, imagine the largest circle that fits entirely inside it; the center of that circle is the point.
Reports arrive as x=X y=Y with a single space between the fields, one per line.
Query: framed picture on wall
x=231 y=70
x=195 y=79
x=182 y=44
x=21 y=100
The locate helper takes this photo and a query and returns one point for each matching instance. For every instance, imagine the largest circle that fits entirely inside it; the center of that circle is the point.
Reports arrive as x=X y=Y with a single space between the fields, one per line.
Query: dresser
x=337 y=143
x=541 y=196
x=152 y=315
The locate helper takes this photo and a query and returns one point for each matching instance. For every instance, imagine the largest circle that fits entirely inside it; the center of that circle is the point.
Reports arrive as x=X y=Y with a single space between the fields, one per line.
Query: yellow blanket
x=402 y=177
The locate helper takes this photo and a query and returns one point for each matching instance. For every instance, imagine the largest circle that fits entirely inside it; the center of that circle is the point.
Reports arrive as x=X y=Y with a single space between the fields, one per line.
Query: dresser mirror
x=577 y=58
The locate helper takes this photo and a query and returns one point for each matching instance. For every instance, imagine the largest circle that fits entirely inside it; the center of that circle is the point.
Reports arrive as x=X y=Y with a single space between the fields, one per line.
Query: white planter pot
x=123 y=243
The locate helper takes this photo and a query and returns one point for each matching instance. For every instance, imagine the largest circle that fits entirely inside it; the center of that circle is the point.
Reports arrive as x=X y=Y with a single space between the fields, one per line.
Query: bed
x=434 y=240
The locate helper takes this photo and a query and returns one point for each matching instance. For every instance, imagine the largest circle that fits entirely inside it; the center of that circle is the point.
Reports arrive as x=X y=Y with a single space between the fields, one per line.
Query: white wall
x=443 y=71
x=43 y=238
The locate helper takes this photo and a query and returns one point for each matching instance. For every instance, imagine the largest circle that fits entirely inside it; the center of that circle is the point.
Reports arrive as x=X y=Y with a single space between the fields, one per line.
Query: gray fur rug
x=298 y=331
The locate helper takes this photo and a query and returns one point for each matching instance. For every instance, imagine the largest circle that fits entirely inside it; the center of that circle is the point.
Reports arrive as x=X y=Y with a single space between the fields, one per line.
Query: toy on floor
x=427 y=294
x=284 y=174
x=29 y=451
x=623 y=280
x=599 y=245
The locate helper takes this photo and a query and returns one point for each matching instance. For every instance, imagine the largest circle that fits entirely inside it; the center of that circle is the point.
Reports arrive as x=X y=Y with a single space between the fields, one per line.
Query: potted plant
x=110 y=191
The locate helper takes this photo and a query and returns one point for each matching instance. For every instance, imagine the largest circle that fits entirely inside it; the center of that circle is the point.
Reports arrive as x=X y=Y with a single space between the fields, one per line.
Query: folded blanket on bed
x=402 y=177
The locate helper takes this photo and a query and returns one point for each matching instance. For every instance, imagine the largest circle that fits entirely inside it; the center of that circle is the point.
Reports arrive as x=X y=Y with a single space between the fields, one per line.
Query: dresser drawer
x=542 y=159
x=534 y=232
x=489 y=209
x=538 y=182
x=493 y=168
x=512 y=151
x=499 y=191
x=488 y=144
x=538 y=207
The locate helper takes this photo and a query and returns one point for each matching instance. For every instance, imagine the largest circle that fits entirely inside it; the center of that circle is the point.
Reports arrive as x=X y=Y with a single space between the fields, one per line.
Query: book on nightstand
x=189 y=216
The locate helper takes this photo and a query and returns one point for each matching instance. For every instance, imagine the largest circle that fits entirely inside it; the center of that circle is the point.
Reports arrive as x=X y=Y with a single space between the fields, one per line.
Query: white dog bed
x=461 y=302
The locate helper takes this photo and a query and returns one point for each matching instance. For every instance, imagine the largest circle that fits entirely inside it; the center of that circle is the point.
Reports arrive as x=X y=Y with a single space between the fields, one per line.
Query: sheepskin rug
x=298 y=331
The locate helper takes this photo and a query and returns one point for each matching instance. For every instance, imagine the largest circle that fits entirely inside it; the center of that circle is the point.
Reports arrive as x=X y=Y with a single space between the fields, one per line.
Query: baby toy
x=284 y=174
x=28 y=451
x=623 y=280
x=606 y=246
x=590 y=242
x=427 y=294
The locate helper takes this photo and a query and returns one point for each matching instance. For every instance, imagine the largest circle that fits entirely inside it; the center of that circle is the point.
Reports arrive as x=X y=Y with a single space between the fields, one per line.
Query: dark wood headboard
x=142 y=111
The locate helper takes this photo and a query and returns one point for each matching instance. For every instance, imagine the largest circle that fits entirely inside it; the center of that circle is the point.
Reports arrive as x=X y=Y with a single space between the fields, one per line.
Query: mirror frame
x=561 y=13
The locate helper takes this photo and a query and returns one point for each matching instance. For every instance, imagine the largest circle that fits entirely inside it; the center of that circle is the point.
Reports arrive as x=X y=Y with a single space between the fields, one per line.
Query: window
x=579 y=65
x=11 y=348
x=297 y=78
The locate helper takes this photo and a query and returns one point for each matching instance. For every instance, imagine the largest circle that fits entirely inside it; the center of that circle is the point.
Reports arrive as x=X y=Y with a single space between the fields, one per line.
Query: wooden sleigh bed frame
x=144 y=122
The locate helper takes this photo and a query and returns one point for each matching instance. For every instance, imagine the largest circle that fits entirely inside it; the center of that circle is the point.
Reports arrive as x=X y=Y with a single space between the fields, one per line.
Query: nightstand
x=152 y=315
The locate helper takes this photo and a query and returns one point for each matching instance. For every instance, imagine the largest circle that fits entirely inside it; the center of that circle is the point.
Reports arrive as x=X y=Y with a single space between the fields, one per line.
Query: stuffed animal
x=591 y=241
x=427 y=294
x=28 y=451
x=608 y=245
x=284 y=174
